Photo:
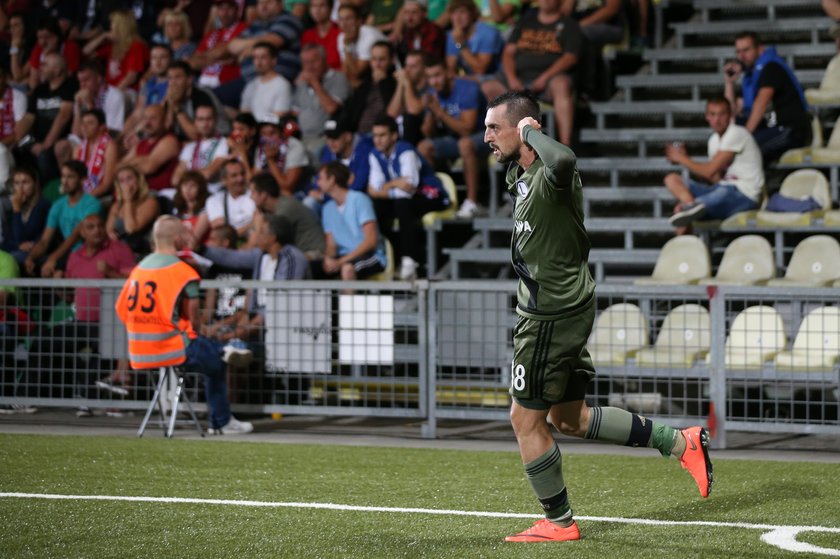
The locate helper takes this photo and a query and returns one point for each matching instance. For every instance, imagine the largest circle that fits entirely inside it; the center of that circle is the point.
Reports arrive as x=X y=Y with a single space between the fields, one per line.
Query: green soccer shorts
x=550 y=362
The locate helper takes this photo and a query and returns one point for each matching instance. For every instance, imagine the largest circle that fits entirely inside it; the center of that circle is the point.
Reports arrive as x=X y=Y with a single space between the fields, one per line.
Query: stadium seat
x=449 y=213
x=683 y=260
x=388 y=273
x=828 y=93
x=748 y=260
x=797 y=156
x=817 y=343
x=832 y=218
x=685 y=336
x=815 y=262
x=619 y=331
x=757 y=334
x=798 y=185
x=831 y=152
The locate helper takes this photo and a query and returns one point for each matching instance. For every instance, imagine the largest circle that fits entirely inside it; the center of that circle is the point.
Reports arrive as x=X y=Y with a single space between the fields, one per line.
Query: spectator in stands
x=175 y=307
x=153 y=88
x=355 y=43
x=324 y=31
x=134 y=210
x=65 y=216
x=29 y=215
x=98 y=152
x=49 y=115
x=207 y=154
x=541 y=60
x=95 y=93
x=12 y=124
x=274 y=258
x=242 y=143
x=282 y=155
x=232 y=205
x=383 y=15
x=189 y=202
x=182 y=98
x=178 y=34
x=269 y=95
x=212 y=59
x=156 y=155
x=734 y=171
x=473 y=47
x=501 y=14
x=403 y=186
x=453 y=128
x=273 y=25
x=370 y=99
x=831 y=8
x=353 y=150
x=320 y=92
x=601 y=21
x=123 y=50
x=99 y=257
x=20 y=48
x=414 y=32
x=354 y=248
x=406 y=105
x=307 y=234
x=220 y=304
x=774 y=109
x=50 y=40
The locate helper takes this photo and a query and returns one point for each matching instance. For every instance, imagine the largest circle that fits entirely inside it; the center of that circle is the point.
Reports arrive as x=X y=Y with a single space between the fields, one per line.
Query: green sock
x=629 y=429
x=545 y=474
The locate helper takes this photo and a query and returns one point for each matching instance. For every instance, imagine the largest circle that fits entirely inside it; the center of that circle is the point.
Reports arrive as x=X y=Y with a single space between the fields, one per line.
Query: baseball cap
x=335 y=128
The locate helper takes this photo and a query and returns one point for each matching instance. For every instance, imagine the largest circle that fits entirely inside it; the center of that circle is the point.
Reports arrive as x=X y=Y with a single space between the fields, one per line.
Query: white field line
x=783 y=537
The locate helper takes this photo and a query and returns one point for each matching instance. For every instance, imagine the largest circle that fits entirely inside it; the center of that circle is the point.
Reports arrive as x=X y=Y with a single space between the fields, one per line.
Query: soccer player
x=556 y=306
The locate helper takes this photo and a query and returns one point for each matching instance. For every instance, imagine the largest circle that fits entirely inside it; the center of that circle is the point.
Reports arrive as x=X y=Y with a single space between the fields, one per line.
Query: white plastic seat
x=683 y=260
x=619 y=331
x=817 y=343
x=815 y=262
x=685 y=337
x=757 y=334
x=748 y=260
x=831 y=152
x=828 y=94
x=800 y=184
x=449 y=213
x=800 y=155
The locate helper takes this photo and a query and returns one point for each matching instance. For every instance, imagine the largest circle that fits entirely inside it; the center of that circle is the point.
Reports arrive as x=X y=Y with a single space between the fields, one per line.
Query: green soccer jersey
x=549 y=247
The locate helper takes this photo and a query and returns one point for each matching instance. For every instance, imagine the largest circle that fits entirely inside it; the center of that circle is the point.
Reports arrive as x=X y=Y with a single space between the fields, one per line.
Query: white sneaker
x=468 y=209
x=408 y=269
x=237 y=354
x=233 y=427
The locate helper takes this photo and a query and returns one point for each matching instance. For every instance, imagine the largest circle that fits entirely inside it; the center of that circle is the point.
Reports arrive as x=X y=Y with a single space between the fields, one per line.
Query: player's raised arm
x=558 y=159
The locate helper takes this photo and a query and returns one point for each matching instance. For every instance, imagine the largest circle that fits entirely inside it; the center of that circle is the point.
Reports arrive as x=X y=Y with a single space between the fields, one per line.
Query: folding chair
x=168 y=394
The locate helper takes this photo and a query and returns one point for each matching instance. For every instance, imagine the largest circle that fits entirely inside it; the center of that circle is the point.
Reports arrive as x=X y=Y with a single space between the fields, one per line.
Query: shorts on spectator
x=545 y=95
x=721 y=200
x=446 y=147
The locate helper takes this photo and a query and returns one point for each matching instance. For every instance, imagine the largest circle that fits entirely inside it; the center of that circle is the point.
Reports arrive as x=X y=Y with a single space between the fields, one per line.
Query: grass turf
x=600 y=486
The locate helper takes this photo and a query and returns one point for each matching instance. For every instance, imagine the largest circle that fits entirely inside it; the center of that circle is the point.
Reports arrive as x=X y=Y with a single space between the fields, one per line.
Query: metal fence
x=758 y=358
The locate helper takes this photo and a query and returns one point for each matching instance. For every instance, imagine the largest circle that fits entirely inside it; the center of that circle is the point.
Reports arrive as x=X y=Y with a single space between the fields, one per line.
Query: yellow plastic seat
x=430 y=218
x=796 y=156
x=388 y=273
x=817 y=343
x=815 y=262
x=831 y=152
x=685 y=337
x=828 y=94
x=832 y=218
x=619 y=331
x=683 y=260
x=748 y=260
x=800 y=184
x=757 y=334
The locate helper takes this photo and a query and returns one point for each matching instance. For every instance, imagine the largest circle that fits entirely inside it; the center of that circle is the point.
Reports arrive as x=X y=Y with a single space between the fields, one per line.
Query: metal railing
x=442 y=350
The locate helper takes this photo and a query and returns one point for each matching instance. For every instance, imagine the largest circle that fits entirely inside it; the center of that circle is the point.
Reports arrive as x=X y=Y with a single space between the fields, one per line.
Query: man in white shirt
x=734 y=173
x=95 y=93
x=269 y=95
x=208 y=154
x=355 y=42
x=233 y=204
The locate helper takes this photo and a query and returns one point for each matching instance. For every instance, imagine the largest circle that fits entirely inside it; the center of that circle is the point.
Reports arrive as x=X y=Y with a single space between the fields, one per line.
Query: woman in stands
x=177 y=33
x=134 y=210
x=123 y=51
x=188 y=203
x=29 y=215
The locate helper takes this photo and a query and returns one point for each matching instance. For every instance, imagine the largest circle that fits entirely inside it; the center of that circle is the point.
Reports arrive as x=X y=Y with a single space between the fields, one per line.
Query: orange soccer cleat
x=696 y=458
x=546 y=531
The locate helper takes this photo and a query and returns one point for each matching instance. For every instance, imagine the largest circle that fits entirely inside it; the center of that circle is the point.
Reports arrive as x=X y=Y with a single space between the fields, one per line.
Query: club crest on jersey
x=522 y=188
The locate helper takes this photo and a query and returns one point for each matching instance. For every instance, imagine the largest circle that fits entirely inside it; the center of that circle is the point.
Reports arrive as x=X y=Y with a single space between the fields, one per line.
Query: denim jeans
x=721 y=200
x=205 y=355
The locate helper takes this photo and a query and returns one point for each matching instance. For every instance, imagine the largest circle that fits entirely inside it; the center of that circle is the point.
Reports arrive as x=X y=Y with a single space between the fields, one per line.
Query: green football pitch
x=118 y=497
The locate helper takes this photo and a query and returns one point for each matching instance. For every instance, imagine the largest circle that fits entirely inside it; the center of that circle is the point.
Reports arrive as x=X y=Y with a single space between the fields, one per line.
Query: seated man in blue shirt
x=354 y=246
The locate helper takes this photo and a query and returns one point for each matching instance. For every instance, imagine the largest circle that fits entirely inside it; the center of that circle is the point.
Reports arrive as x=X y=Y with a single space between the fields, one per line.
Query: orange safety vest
x=146 y=306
